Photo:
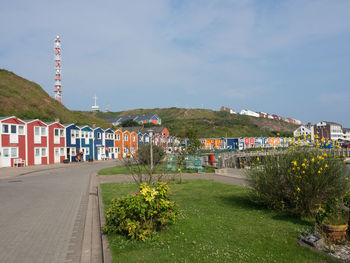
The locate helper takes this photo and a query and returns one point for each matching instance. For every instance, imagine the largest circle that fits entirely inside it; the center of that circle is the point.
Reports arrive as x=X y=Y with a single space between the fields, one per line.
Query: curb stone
x=106 y=252
x=303 y=244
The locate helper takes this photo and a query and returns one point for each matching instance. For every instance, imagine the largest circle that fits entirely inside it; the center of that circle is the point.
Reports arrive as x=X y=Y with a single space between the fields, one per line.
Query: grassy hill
x=27 y=100
x=210 y=123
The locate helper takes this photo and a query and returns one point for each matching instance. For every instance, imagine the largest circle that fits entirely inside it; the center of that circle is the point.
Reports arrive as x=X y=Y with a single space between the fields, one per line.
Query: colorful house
x=37 y=142
x=133 y=143
x=109 y=144
x=141 y=119
x=12 y=142
x=72 y=142
x=118 y=143
x=57 y=142
x=126 y=144
x=99 y=144
x=86 y=143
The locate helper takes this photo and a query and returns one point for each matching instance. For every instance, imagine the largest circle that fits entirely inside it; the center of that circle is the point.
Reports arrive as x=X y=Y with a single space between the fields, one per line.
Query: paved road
x=42 y=214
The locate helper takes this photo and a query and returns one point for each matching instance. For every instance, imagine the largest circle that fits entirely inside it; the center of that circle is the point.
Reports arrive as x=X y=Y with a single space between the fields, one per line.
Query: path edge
x=106 y=252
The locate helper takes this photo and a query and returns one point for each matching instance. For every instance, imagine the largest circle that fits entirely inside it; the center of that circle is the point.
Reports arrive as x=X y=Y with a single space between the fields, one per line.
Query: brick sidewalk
x=11 y=172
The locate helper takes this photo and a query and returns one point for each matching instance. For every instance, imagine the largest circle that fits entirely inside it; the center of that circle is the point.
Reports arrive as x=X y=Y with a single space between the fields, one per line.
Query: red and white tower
x=58 y=90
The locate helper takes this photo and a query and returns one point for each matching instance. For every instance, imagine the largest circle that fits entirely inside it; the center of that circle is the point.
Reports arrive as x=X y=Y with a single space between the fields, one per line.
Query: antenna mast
x=58 y=90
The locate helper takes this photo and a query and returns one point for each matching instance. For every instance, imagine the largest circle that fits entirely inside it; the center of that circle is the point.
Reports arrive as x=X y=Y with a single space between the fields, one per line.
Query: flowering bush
x=143 y=213
x=332 y=212
x=297 y=180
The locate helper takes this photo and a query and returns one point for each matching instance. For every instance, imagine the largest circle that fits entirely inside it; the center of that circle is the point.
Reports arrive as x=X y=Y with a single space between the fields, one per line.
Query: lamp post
x=151 y=150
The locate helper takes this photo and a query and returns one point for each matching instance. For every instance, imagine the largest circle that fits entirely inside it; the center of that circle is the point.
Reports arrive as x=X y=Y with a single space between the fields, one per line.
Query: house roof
x=6 y=117
x=132 y=117
x=331 y=123
x=155 y=129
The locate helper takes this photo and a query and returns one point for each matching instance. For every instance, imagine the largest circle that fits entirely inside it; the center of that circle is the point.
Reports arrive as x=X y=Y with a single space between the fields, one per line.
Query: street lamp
x=151 y=150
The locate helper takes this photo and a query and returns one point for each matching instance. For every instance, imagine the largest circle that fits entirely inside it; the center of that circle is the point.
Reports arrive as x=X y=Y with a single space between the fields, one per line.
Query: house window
x=98 y=135
x=125 y=150
x=6 y=152
x=14 y=152
x=133 y=138
x=37 y=131
x=82 y=134
x=13 y=129
x=125 y=138
x=37 y=152
x=62 y=151
x=5 y=128
x=87 y=151
x=77 y=133
x=118 y=137
x=56 y=132
x=43 y=152
x=43 y=131
x=21 y=130
x=61 y=132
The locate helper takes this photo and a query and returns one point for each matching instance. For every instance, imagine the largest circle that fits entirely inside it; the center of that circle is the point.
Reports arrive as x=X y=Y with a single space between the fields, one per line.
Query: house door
x=57 y=155
x=37 y=156
x=5 y=159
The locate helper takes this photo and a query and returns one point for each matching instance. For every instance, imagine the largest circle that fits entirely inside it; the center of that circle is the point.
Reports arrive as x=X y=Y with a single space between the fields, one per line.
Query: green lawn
x=218 y=224
x=123 y=170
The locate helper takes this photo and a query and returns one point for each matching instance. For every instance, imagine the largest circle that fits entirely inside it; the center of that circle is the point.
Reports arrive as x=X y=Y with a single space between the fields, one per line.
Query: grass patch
x=121 y=169
x=218 y=224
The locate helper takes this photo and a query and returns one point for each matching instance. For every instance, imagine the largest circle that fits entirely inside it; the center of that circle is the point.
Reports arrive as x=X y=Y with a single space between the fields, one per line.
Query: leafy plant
x=297 y=180
x=143 y=213
x=332 y=212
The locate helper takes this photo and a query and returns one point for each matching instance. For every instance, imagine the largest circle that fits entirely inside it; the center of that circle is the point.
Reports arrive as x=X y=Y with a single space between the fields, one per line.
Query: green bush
x=144 y=154
x=297 y=180
x=143 y=213
x=332 y=212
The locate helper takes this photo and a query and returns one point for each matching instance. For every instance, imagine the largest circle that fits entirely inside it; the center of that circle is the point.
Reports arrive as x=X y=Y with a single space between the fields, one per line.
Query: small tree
x=192 y=134
x=140 y=166
x=129 y=123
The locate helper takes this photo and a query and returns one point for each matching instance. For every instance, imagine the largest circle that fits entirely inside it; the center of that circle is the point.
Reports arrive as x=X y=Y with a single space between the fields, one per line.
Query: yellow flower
x=303 y=172
x=258 y=159
x=326 y=165
x=303 y=164
x=346 y=178
x=319 y=172
x=298 y=189
x=325 y=154
x=295 y=163
x=313 y=159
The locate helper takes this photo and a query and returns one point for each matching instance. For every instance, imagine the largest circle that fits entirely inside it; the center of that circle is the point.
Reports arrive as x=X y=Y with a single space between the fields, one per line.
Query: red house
x=57 y=142
x=37 y=142
x=12 y=142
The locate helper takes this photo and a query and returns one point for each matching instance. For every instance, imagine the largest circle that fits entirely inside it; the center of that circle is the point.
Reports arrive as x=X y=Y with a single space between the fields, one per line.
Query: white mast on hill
x=95 y=107
x=58 y=90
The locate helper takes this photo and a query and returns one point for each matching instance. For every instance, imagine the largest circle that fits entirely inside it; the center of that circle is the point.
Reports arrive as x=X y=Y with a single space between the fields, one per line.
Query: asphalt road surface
x=42 y=214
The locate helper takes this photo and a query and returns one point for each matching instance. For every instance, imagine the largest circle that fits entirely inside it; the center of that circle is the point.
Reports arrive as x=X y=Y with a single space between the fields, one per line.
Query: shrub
x=332 y=212
x=297 y=180
x=144 y=156
x=141 y=214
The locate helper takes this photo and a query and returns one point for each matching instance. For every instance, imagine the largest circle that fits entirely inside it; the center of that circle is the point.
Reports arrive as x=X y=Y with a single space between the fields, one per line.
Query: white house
x=303 y=130
x=250 y=113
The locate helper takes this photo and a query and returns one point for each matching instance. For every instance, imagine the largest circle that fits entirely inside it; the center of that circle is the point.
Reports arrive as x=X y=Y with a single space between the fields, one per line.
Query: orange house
x=118 y=143
x=126 y=144
x=133 y=143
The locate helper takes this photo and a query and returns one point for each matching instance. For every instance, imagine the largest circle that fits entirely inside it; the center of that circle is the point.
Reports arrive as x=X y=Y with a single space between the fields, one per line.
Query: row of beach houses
x=34 y=142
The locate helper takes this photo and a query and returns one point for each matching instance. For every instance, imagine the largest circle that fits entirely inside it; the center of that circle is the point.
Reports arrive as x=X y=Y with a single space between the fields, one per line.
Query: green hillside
x=27 y=100
x=211 y=123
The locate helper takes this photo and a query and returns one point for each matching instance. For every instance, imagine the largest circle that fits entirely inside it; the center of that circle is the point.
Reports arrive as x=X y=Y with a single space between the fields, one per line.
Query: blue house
x=86 y=143
x=142 y=138
x=99 y=144
x=109 y=144
x=232 y=143
x=72 y=141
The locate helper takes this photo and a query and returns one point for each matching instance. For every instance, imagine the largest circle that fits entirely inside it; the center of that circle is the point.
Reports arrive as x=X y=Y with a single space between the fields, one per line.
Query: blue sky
x=291 y=58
